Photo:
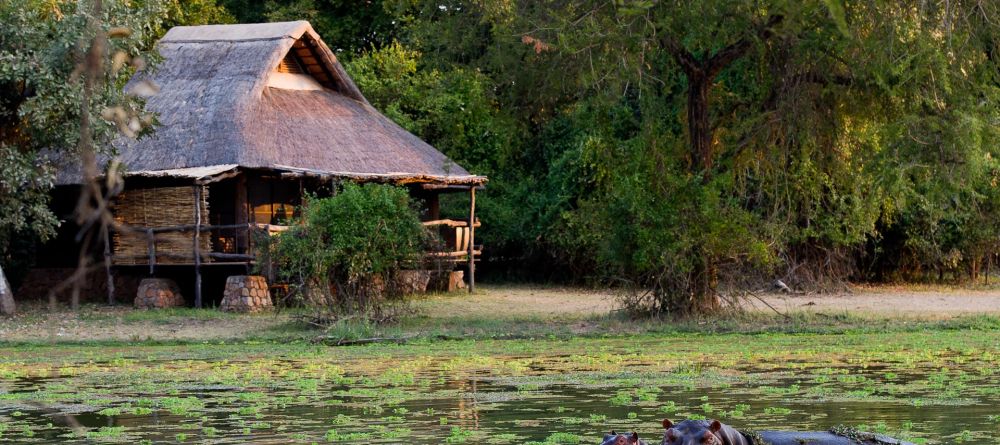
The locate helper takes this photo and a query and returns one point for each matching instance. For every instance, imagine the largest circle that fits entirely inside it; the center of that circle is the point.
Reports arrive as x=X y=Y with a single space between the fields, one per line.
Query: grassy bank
x=497 y=313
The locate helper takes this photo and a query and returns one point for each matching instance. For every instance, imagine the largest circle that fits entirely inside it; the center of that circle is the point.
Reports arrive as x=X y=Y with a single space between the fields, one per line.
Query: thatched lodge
x=252 y=117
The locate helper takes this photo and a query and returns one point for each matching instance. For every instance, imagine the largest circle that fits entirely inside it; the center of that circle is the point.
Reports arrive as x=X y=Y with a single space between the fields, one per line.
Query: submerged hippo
x=704 y=432
x=691 y=432
x=614 y=438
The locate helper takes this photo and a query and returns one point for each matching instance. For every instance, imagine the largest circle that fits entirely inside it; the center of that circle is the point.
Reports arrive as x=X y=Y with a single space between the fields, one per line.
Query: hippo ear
x=667 y=424
x=716 y=426
x=634 y=438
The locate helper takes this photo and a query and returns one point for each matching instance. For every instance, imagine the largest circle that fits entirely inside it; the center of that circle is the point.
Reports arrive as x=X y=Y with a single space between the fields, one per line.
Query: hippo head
x=692 y=432
x=622 y=439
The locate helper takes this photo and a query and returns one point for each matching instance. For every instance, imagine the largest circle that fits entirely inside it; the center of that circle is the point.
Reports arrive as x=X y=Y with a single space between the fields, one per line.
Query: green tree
x=451 y=107
x=349 y=27
x=62 y=68
x=41 y=92
x=802 y=122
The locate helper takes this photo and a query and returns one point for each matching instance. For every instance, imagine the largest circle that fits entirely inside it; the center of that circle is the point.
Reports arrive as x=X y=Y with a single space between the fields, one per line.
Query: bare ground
x=520 y=301
x=121 y=323
x=538 y=303
x=930 y=303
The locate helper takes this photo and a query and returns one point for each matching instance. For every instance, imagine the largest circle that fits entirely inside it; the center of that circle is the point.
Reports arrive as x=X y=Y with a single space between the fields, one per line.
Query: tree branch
x=727 y=55
x=684 y=58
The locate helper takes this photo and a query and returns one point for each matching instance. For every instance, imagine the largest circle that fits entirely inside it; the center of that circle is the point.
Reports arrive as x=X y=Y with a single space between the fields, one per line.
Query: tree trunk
x=6 y=296
x=700 y=73
x=703 y=298
x=699 y=125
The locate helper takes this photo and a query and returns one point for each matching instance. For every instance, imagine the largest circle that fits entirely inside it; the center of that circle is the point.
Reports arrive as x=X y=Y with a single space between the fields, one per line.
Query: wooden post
x=472 y=239
x=197 y=246
x=6 y=296
x=151 y=246
x=240 y=235
x=107 y=265
x=434 y=206
x=989 y=262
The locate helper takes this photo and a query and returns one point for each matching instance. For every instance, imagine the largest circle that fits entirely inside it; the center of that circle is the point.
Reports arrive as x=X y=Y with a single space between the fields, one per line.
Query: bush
x=344 y=253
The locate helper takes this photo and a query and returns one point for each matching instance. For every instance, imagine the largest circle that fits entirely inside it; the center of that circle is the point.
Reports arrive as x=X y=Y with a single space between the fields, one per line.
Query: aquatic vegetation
x=928 y=387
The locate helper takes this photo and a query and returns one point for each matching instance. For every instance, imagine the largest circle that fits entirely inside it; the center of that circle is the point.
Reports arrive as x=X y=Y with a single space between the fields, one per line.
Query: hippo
x=825 y=438
x=614 y=438
x=691 y=432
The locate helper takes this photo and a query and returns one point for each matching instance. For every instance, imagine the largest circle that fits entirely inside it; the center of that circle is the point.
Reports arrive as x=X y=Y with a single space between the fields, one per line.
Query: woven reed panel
x=159 y=207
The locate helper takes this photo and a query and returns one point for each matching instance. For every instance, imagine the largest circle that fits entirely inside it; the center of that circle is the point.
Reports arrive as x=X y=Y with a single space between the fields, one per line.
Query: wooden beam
x=472 y=240
x=449 y=223
x=107 y=264
x=456 y=254
x=331 y=78
x=448 y=187
x=445 y=187
x=207 y=227
x=434 y=206
x=197 y=246
x=242 y=210
x=151 y=247
x=232 y=256
x=219 y=177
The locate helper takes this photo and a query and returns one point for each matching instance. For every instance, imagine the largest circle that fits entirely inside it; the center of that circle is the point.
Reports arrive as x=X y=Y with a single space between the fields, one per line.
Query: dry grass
x=508 y=310
x=519 y=301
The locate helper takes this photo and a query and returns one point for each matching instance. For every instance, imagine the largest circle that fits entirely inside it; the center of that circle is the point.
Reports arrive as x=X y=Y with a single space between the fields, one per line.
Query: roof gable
x=216 y=107
x=283 y=38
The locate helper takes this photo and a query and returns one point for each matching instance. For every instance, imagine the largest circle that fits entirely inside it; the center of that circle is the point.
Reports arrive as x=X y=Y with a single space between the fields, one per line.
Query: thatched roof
x=215 y=107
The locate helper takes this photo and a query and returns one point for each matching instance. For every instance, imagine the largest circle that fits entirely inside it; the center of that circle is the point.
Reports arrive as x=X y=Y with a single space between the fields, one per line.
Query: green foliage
x=849 y=139
x=347 y=26
x=453 y=108
x=354 y=242
x=42 y=102
x=193 y=12
x=847 y=129
x=41 y=96
x=367 y=229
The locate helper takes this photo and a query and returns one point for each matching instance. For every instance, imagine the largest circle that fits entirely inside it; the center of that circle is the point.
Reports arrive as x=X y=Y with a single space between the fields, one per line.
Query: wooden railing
x=241 y=231
x=195 y=254
x=458 y=247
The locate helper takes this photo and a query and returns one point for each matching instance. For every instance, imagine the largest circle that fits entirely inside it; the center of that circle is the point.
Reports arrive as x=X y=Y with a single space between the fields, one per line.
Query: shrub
x=344 y=252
